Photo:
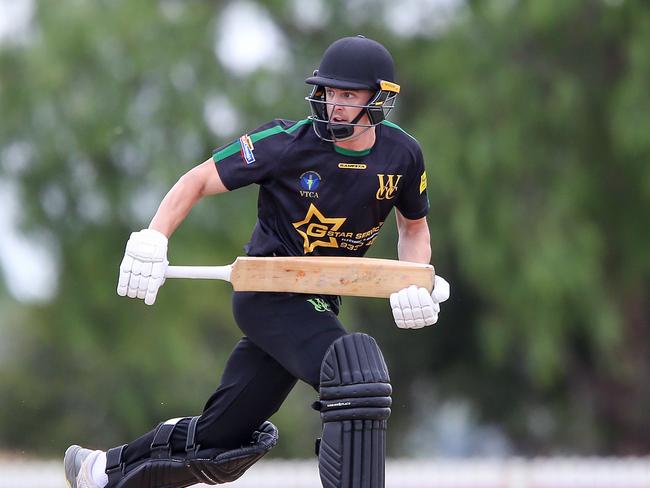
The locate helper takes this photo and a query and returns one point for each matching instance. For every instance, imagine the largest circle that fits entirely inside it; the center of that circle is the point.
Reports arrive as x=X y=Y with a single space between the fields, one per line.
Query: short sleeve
x=251 y=158
x=413 y=201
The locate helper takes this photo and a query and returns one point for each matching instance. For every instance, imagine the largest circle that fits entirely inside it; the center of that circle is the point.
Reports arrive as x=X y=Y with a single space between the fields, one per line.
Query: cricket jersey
x=318 y=199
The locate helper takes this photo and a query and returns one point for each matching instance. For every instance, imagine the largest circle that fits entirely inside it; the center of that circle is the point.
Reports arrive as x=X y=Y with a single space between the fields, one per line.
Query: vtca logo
x=387 y=186
x=309 y=182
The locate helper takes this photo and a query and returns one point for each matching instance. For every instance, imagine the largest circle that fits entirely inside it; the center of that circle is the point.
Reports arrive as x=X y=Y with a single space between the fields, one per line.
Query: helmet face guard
x=353 y=63
x=377 y=109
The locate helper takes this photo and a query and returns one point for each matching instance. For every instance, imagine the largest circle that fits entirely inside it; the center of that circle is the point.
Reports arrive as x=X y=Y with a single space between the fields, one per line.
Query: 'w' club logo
x=387 y=186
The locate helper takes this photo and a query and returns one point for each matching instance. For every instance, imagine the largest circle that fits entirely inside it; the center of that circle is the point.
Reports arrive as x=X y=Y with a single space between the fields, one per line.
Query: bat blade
x=362 y=277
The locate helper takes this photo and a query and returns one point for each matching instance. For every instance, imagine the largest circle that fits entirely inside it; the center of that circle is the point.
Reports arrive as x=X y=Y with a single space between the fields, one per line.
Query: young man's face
x=342 y=113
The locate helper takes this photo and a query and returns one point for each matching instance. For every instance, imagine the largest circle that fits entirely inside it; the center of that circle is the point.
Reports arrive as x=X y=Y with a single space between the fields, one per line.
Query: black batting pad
x=354 y=404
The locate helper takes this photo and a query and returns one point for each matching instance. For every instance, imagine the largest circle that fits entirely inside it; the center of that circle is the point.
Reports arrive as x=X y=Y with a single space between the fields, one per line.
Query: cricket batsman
x=326 y=186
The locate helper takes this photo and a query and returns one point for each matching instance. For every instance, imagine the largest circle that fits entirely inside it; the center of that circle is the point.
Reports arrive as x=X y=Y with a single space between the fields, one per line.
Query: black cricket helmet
x=354 y=63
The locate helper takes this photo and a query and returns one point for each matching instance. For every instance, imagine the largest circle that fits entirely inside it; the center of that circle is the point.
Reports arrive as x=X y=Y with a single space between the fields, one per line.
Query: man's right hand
x=144 y=265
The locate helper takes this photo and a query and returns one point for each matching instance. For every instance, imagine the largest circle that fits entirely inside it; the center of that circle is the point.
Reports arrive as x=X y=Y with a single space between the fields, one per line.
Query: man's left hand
x=414 y=308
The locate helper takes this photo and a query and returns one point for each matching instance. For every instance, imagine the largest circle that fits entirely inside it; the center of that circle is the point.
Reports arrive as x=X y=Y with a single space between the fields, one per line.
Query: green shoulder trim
x=350 y=152
x=258 y=136
x=388 y=123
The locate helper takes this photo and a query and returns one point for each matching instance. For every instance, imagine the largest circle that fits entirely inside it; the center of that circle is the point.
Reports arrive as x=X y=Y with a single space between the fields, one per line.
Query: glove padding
x=414 y=308
x=144 y=265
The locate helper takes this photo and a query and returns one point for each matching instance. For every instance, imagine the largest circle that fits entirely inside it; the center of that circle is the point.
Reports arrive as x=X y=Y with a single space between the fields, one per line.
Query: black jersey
x=318 y=199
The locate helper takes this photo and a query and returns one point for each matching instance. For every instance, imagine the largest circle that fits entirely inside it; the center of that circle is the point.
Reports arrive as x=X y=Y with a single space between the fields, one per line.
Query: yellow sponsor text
x=353 y=165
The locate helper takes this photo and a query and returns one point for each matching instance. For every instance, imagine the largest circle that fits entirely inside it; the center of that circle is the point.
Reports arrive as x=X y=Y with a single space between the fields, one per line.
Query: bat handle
x=200 y=272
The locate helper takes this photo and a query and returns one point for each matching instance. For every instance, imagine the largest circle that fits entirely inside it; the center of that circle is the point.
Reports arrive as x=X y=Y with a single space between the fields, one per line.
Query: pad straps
x=160 y=447
x=114 y=464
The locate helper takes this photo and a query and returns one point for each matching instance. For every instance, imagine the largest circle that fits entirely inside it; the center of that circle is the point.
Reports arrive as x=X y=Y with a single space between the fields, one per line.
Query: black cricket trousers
x=286 y=338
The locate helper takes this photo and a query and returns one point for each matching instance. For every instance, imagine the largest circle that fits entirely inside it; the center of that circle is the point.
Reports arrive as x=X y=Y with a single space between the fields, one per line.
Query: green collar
x=350 y=152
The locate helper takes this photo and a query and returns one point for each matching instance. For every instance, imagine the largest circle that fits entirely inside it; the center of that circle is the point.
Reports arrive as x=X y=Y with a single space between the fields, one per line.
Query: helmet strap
x=344 y=131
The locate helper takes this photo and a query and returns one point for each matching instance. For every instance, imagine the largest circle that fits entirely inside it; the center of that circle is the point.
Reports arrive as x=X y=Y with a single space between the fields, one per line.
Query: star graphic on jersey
x=315 y=227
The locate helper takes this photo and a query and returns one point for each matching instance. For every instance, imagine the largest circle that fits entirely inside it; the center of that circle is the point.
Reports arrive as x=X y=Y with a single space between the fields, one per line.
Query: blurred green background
x=534 y=117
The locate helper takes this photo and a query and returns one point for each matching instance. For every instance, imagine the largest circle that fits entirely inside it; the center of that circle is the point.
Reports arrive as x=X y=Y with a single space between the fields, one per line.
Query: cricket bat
x=361 y=277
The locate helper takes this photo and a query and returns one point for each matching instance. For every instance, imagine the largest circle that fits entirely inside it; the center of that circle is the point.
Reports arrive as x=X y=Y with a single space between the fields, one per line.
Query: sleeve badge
x=247 y=149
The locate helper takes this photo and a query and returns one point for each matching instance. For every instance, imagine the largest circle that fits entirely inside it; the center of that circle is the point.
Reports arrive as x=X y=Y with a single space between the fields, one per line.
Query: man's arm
x=142 y=271
x=414 y=241
x=200 y=181
x=414 y=307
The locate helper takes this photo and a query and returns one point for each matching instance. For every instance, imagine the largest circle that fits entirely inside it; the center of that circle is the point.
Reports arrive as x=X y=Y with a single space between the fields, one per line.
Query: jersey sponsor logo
x=353 y=165
x=319 y=304
x=318 y=230
x=358 y=240
x=309 y=182
x=423 y=181
x=247 y=149
x=387 y=186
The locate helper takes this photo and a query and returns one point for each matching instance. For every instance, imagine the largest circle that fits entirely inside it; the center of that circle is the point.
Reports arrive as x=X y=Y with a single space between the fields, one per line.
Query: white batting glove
x=414 y=307
x=143 y=267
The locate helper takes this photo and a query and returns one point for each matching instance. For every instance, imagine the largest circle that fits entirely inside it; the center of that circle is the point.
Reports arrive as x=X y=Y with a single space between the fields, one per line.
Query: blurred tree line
x=533 y=117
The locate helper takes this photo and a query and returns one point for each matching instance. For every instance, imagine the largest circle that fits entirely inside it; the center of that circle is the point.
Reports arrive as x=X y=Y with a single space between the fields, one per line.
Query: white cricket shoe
x=78 y=464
